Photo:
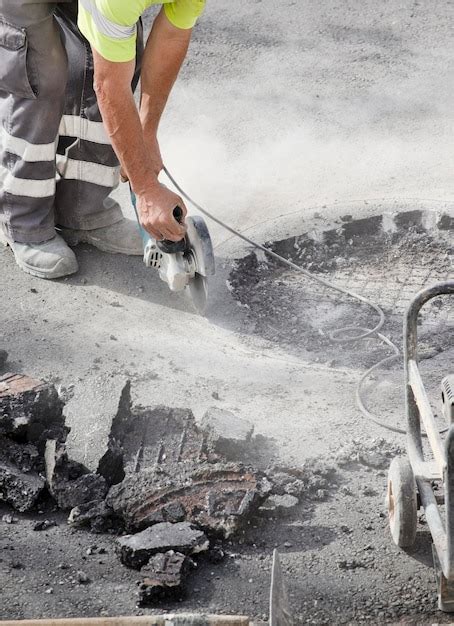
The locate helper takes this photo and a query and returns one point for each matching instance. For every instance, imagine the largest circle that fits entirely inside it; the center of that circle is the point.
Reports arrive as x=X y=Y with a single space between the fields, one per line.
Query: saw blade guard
x=199 y=245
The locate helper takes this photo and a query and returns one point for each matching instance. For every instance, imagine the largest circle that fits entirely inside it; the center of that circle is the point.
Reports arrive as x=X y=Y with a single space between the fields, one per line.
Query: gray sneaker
x=123 y=237
x=51 y=259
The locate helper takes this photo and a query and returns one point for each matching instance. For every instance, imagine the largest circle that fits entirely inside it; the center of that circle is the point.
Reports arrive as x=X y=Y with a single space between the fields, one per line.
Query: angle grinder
x=184 y=265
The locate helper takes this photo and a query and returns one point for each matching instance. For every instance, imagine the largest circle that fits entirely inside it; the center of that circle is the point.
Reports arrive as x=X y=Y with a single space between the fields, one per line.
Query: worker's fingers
x=174 y=234
x=152 y=230
x=170 y=228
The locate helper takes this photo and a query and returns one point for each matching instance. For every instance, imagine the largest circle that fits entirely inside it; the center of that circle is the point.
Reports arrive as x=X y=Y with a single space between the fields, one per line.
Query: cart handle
x=444 y=288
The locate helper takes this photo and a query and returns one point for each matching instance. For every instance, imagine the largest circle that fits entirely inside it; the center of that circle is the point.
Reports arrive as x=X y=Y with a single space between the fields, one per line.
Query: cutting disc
x=197 y=289
x=201 y=257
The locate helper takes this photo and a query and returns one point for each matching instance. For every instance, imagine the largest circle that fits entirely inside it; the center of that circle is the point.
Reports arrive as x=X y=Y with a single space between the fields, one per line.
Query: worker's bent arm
x=112 y=83
x=121 y=119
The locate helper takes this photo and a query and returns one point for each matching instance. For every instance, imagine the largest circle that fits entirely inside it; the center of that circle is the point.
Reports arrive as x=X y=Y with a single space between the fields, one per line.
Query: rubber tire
x=401 y=501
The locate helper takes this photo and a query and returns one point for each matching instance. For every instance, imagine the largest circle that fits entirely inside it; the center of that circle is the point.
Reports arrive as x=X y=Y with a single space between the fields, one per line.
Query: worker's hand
x=156 y=213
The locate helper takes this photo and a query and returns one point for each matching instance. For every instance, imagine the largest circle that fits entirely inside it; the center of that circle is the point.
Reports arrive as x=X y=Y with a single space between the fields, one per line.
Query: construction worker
x=65 y=68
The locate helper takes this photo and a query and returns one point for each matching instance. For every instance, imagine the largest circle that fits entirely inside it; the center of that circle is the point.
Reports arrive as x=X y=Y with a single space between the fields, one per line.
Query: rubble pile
x=173 y=486
x=162 y=467
x=31 y=413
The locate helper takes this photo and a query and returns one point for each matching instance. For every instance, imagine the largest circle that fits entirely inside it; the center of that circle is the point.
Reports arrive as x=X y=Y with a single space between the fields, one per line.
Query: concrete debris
x=69 y=482
x=95 y=550
x=44 y=525
x=162 y=467
x=111 y=464
x=91 y=411
x=217 y=497
x=135 y=550
x=20 y=490
x=165 y=578
x=30 y=410
x=228 y=435
x=280 y=504
x=162 y=477
x=83 y=578
x=96 y=516
x=20 y=481
x=163 y=436
x=374 y=453
x=86 y=488
x=24 y=456
x=146 y=438
x=312 y=479
x=216 y=554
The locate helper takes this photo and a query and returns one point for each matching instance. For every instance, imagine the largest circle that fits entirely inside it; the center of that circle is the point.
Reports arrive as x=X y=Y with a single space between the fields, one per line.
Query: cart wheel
x=401 y=501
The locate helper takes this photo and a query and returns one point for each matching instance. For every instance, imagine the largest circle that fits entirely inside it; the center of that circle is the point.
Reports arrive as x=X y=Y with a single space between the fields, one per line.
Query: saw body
x=184 y=265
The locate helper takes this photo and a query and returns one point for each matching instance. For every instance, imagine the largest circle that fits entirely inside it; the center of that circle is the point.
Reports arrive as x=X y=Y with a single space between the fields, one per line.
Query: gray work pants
x=56 y=162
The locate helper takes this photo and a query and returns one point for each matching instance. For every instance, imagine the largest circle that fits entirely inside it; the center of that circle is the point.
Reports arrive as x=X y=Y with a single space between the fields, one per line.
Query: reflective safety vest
x=110 y=25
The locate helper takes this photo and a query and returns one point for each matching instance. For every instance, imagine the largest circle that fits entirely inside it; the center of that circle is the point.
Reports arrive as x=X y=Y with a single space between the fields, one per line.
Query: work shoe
x=122 y=237
x=51 y=259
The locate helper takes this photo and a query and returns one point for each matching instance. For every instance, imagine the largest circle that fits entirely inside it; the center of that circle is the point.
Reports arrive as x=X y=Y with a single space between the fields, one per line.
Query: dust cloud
x=282 y=128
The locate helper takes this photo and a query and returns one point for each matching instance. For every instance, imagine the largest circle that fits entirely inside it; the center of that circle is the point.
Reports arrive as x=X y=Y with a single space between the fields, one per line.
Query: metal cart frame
x=410 y=482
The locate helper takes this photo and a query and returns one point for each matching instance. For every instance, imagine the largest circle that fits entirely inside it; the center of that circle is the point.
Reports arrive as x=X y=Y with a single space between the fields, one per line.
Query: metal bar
x=426 y=470
x=449 y=499
x=426 y=414
x=444 y=288
x=417 y=407
x=434 y=522
x=411 y=353
x=279 y=606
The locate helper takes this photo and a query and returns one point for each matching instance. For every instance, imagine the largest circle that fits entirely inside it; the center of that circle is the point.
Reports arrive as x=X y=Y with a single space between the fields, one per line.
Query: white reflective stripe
x=30 y=152
x=105 y=26
x=71 y=169
x=25 y=186
x=76 y=126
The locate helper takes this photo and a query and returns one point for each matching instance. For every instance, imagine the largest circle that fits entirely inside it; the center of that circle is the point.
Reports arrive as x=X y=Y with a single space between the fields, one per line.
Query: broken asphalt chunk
x=23 y=456
x=86 y=488
x=280 y=504
x=165 y=578
x=30 y=409
x=135 y=550
x=44 y=525
x=69 y=482
x=96 y=516
x=217 y=497
x=143 y=438
x=111 y=464
x=20 y=490
x=228 y=435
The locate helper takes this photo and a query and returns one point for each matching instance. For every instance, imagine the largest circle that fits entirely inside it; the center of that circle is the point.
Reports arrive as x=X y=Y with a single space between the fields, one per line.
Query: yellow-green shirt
x=110 y=25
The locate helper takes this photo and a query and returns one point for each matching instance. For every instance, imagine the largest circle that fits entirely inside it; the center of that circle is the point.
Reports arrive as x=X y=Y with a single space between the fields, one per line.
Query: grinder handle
x=170 y=247
x=178 y=214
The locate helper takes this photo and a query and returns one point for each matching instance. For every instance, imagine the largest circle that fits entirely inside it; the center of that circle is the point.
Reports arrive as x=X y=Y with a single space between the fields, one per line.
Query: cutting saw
x=184 y=265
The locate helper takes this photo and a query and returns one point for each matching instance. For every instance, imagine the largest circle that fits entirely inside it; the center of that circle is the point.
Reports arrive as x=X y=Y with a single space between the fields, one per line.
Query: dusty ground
x=286 y=119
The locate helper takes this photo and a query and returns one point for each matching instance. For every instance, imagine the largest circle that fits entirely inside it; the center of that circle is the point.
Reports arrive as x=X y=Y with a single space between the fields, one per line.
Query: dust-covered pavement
x=282 y=110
